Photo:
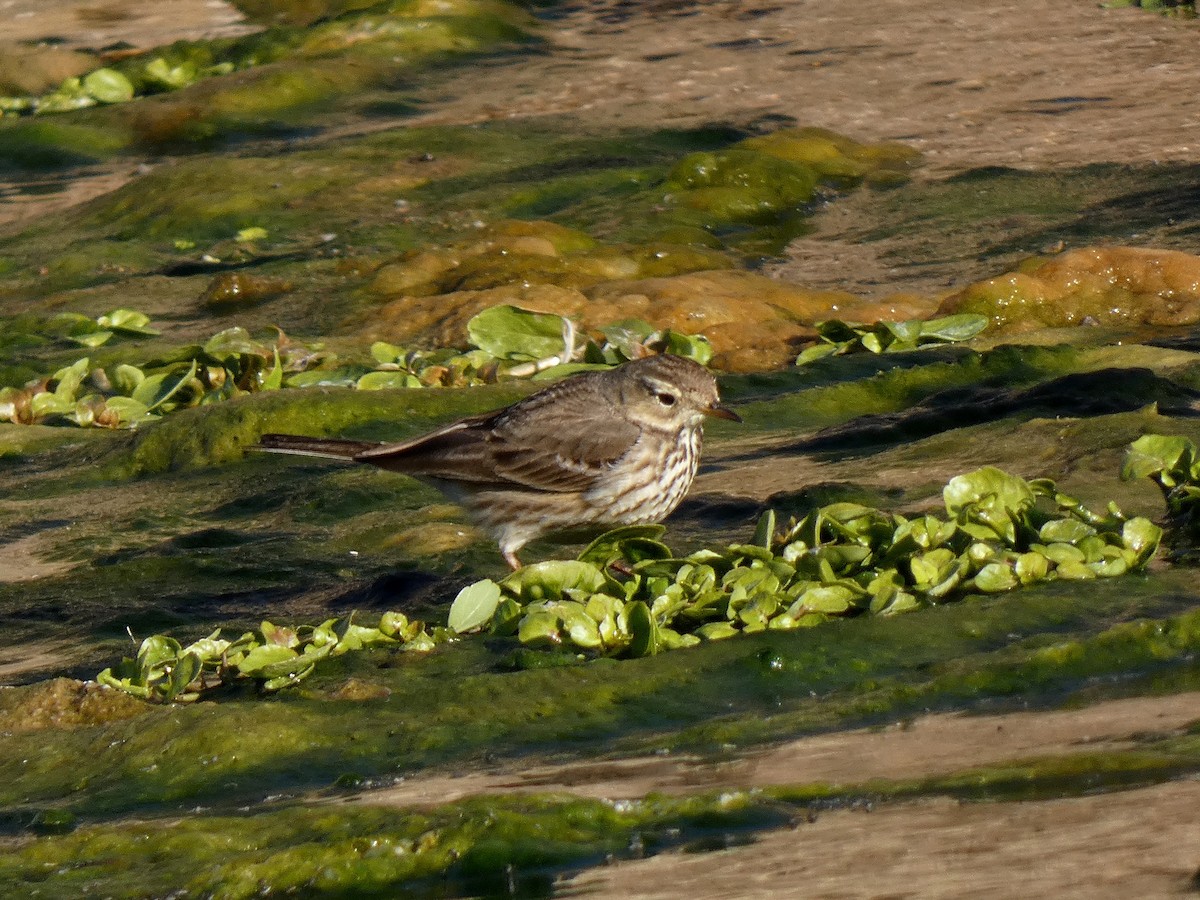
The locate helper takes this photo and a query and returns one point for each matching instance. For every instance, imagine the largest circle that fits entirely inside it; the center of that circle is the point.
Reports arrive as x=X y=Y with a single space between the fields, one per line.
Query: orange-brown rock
x=753 y=322
x=64 y=703
x=1091 y=285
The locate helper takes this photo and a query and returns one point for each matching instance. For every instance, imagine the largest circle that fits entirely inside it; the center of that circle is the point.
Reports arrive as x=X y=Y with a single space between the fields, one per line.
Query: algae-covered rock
x=753 y=322
x=837 y=157
x=526 y=253
x=1090 y=286
x=62 y=704
x=235 y=289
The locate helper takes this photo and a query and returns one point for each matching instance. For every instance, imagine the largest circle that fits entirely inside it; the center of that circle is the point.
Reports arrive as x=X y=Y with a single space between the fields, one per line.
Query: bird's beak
x=722 y=412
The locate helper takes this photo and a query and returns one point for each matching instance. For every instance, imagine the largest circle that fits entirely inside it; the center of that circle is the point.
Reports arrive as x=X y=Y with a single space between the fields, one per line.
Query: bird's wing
x=553 y=441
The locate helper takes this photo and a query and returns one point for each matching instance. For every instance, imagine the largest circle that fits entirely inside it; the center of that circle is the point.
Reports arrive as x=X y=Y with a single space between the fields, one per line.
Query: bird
x=617 y=446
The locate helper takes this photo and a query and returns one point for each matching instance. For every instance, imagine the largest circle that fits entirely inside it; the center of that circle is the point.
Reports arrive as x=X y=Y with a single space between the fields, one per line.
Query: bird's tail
x=330 y=448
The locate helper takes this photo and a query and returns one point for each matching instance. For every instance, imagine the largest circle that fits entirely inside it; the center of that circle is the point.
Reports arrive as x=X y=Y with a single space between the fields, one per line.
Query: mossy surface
x=503 y=843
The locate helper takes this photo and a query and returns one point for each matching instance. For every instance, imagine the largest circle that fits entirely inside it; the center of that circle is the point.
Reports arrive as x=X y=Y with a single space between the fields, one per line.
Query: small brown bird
x=619 y=446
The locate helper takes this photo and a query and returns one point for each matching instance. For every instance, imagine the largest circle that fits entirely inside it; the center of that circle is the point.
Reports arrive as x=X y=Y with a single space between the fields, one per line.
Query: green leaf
x=995 y=577
x=1075 y=570
x=550 y=579
x=125 y=379
x=645 y=639
x=1155 y=453
x=157 y=651
x=379 y=381
x=1013 y=493
x=611 y=545
x=266 y=655
x=159 y=72
x=182 y=674
x=234 y=342
x=906 y=334
x=1142 y=536
x=128 y=410
x=394 y=624
x=356 y=637
x=815 y=352
x=628 y=336
x=827 y=599
x=764 y=531
x=158 y=389
x=508 y=332
x=127 y=321
x=474 y=606
x=961 y=327
x=253 y=233
x=716 y=631
x=1031 y=568
x=108 y=86
x=690 y=346
x=70 y=378
x=581 y=628
x=92 y=339
x=1067 y=531
x=273 y=380
x=48 y=403
x=539 y=628
x=386 y=353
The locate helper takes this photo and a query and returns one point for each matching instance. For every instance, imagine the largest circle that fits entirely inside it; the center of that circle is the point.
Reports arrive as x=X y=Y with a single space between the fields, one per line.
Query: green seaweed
x=502 y=842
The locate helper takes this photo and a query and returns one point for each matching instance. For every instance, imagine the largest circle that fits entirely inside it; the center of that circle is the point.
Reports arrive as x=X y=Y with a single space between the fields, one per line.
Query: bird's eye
x=665 y=398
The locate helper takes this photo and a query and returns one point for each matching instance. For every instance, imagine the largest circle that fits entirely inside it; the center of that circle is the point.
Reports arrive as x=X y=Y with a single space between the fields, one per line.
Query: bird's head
x=670 y=392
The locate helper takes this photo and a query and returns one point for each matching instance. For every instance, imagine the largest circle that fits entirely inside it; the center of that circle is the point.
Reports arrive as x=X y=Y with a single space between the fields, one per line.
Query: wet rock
x=836 y=157
x=1089 y=286
x=357 y=690
x=235 y=289
x=753 y=322
x=63 y=703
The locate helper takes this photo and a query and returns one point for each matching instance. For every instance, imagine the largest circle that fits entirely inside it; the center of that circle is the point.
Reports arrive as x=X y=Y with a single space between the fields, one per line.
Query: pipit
x=618 y=447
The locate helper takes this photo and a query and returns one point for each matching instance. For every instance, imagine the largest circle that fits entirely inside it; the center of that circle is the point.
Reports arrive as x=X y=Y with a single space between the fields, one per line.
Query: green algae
x=500 y=845
x=221 y=88
x=506 y=843
x=1041 y=643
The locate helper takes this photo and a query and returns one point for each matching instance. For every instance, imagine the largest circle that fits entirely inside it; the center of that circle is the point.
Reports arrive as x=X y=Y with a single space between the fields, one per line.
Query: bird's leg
x=510 y=557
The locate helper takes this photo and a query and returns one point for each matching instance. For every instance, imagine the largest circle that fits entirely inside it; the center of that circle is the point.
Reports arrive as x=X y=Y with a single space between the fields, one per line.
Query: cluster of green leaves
x=628 y=595
x=109 y=85
x=75 y=328
x=274 y=656
x=837 y=337
x=1173 y=463
x=123 y=395
x=410 y=26
x=510 y=343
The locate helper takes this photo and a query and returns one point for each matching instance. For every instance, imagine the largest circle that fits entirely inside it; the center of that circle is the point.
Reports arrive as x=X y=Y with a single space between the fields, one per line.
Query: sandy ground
x=1018 y=83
